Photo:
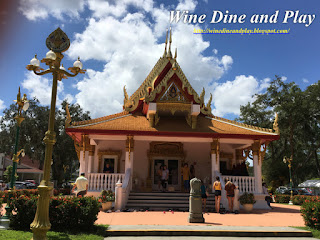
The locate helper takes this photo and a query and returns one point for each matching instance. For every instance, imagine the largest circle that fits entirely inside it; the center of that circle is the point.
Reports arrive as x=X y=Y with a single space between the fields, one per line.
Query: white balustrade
x=104 y=181
x=244 y=183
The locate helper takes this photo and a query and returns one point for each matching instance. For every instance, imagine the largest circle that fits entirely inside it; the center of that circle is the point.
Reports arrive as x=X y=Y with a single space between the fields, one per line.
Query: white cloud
x=229 y=96
x=130 y=46
x=215 y=51
x=226 y=61
x=305 y=80
x=40 y=87
x=117 y=8
x=39 y=9
x=2 y=106
x=284 y=78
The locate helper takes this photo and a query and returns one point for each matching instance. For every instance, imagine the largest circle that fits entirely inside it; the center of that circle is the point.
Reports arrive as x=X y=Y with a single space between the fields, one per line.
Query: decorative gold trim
x=129 y=143
x=255 y=147
x=111 y=153
x=275 y=124
x=165 y=149
x=68 y=118
x=173 y=107
x=215 y=148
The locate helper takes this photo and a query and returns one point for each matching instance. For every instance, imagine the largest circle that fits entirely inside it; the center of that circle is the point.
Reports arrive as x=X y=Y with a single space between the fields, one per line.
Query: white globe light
x=51 y=55
x=25 y=106
x=35 y=62
x=77 y=63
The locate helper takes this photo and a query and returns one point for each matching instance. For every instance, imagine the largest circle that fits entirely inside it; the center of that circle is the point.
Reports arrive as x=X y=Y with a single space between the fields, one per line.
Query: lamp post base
x=41 y=223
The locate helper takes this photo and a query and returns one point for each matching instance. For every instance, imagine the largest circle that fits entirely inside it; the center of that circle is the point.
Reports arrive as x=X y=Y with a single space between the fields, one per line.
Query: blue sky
x=120 y=41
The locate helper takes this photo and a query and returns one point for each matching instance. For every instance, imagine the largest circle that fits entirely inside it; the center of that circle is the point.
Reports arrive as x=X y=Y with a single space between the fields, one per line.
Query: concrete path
x=280 y=216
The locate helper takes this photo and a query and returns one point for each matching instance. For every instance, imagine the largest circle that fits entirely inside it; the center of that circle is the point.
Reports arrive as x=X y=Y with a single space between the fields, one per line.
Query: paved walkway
x=280 y=216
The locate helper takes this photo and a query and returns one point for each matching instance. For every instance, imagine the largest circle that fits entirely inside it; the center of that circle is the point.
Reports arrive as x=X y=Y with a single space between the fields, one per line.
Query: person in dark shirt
x=108 y=168
x=230 y=187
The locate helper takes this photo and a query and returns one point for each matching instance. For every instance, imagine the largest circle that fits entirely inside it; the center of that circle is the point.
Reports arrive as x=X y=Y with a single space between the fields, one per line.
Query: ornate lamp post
x=57 y=42
x=22 y=105
x=289 y=161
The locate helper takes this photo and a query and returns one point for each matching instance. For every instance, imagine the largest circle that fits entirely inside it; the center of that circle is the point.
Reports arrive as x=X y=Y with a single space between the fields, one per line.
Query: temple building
x=166 y=122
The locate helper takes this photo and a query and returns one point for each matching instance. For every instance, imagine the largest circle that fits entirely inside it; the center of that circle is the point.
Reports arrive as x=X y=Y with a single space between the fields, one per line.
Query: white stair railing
x=103 y=181
x=122 y=191
x=244 y=183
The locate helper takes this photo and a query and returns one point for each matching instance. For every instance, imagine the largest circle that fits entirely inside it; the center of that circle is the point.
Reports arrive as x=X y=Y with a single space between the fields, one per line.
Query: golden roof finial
x=174 y=66
x=275 y=124
x=202 y=96
x=68 y=118
x=169 y=54
x=165 y=47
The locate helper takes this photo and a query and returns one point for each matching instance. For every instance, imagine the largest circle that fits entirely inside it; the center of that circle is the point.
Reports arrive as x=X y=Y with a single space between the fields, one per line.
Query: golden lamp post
x=289 y=161
x=57 y=42
x=23 y=104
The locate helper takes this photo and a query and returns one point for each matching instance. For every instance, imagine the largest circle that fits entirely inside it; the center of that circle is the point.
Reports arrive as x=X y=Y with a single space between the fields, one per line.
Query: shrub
x=310 y=211
x=66 y=213
x=281 y=198
x=16 y=193
x=247 y=198
x=106 y=196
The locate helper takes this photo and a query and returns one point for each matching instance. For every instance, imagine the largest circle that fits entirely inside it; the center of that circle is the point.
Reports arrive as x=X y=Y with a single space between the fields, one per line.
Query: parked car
x=303 y=191
x=286 y=190
x=282 y=189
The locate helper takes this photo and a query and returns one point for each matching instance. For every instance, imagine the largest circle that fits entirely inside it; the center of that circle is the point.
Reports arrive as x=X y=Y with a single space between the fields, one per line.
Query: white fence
x=104 y=181
x=244 y=183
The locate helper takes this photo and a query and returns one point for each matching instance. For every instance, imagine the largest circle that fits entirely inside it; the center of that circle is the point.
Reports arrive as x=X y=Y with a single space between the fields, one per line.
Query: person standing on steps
x=217 y=193
x=192 y=172
x=204 y=196
x=159 y=176
x=186 y=177
x=230 y=187
x=164 y=178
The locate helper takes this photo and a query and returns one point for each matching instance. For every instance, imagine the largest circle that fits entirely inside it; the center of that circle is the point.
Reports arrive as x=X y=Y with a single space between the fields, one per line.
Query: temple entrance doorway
x=174 y=180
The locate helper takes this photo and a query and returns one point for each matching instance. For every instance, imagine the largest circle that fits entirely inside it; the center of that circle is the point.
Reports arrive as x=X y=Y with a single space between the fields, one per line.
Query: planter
x=106 y=206
x=248 y=207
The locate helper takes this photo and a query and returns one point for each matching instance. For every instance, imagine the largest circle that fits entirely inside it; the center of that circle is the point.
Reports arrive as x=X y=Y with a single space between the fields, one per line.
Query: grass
x=97 y=234
x=315 y=232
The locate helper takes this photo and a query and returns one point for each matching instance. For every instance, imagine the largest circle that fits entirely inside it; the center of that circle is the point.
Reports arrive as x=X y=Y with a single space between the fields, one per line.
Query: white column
x=81 y=168
x=257 y=173
x=129 y=162
x=213 y=166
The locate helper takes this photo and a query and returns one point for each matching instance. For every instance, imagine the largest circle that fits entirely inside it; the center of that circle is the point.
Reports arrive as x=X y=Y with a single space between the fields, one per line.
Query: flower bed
x=66 y=213
x=296 y=200
x=310 y=211
x=281 y=198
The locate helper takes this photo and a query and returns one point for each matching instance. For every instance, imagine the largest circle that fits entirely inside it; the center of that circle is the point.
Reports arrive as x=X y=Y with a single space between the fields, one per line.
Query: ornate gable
x=167 y=83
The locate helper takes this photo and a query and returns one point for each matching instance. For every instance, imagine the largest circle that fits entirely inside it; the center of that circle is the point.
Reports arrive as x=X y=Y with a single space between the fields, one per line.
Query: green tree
x=7 y=174
x=298 y=119
x=32 y=133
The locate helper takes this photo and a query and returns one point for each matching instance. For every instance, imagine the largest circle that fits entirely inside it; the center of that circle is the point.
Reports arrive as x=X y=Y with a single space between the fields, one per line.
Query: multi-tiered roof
x=166 y=105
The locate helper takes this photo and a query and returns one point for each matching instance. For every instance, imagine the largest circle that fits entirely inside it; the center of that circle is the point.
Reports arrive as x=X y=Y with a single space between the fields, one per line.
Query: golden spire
x=165 y=48
x=68 y=117
x=174 y=66
x=169 y=54
x=275 y=124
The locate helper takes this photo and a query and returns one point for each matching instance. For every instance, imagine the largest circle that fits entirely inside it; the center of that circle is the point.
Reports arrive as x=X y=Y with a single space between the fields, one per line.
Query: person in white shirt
x=82 y=185
x=164 y=178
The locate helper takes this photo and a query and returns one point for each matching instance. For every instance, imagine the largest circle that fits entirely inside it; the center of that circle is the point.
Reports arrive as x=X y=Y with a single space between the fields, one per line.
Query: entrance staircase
x=176 y=201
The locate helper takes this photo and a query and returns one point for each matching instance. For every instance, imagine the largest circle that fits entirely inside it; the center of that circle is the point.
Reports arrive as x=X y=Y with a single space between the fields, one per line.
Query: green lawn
x=98 y=234
x=315 y=233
